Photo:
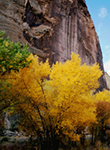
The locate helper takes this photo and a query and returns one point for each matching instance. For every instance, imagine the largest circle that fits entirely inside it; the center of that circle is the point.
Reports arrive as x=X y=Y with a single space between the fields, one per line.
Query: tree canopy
x=55 y=100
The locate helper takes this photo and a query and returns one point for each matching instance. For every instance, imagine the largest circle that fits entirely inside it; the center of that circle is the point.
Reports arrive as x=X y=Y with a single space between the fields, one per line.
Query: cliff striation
x=53 y=29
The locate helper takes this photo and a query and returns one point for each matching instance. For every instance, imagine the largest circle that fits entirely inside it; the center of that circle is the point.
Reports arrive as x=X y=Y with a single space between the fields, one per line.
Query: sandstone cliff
x=53 y=29
x=107 y=78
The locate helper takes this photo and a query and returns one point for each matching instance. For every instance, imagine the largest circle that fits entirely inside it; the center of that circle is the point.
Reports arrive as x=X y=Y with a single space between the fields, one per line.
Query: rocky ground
x=15 y=143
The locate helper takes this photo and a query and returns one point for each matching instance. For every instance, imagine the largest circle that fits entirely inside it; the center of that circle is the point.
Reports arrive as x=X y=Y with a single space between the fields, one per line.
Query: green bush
x=13 y=56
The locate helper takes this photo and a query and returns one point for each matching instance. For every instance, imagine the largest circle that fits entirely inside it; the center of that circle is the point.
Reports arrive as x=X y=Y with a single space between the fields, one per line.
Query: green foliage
x=13 y=56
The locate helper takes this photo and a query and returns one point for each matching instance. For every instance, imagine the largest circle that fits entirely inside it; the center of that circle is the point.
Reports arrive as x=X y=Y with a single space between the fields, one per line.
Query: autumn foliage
x=101 y=128
x=55 y=103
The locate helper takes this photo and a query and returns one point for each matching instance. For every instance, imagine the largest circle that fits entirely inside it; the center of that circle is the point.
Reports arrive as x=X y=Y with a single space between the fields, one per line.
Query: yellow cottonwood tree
x=102 y=115
x=103 y=107
x=54 y=101
x=72 y=102
x=28 y=91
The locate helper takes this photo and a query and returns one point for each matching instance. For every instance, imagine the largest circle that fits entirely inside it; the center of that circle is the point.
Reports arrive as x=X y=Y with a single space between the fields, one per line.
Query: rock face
x=6 y=122
x=53 y=29
x=107 y=78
